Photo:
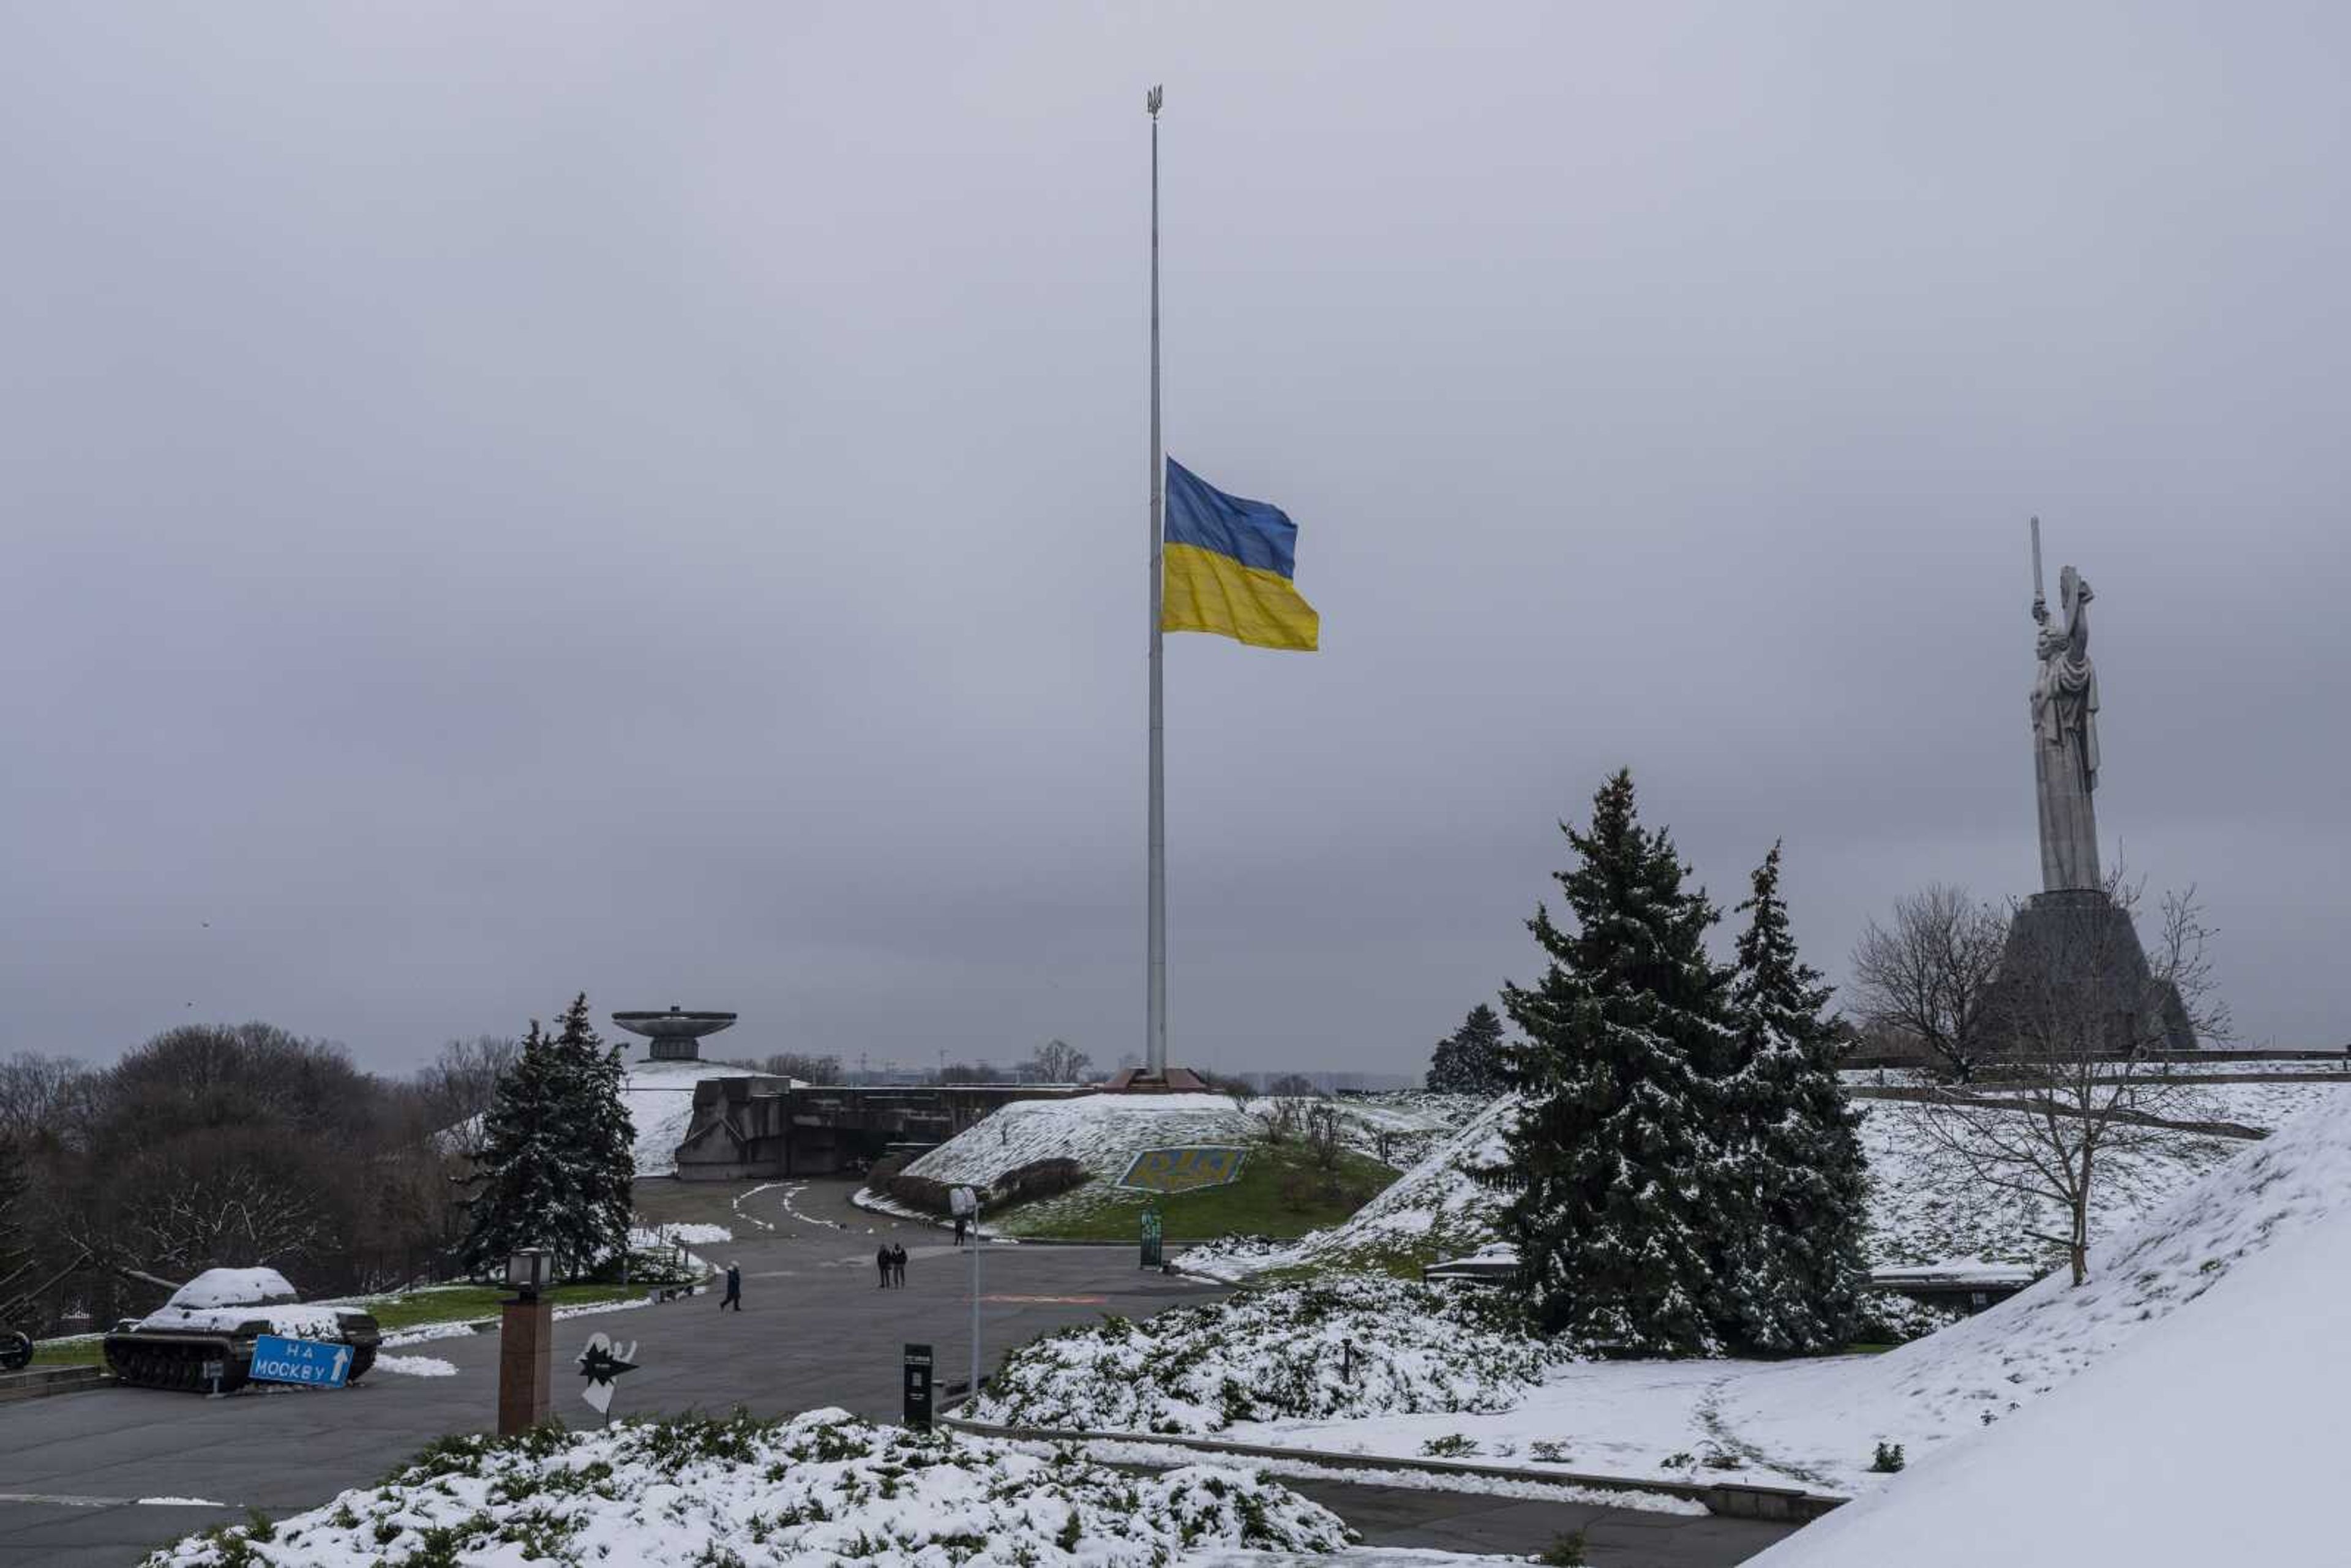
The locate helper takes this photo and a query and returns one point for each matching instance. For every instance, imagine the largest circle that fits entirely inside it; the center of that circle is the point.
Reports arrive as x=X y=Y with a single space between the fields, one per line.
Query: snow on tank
x=204 y=1336
x=235 y=1288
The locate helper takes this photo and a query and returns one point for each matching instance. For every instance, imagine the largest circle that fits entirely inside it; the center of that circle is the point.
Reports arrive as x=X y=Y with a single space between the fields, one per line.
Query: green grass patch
x=461 y=1303
x=411 y=1309
x=1279 y=1193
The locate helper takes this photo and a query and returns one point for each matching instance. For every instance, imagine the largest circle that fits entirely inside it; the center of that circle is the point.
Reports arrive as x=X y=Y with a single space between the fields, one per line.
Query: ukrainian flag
x=1226 y=566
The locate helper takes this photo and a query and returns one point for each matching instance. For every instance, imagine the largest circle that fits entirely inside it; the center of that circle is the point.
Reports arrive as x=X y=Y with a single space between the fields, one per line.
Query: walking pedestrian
x=961 y=1221
x=734 y=1297
x=881 y=1262
x=898 y=1264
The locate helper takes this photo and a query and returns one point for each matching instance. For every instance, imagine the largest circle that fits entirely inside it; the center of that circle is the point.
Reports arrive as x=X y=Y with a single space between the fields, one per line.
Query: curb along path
x=1730 y=1500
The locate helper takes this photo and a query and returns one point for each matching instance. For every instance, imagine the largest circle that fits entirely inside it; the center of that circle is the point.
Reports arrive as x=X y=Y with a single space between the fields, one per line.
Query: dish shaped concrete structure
x=677 y=1034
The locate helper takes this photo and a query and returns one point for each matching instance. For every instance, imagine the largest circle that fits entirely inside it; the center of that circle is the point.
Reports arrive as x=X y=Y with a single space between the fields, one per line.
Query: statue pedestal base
x=2073 y=969
x=1175 y=1081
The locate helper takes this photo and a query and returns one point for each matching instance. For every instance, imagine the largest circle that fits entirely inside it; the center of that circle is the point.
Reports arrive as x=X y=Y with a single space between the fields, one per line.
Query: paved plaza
x=816 y=1330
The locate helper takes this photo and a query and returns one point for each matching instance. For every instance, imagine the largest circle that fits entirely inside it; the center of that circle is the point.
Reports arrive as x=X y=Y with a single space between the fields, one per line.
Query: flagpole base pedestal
x=1175 y=1080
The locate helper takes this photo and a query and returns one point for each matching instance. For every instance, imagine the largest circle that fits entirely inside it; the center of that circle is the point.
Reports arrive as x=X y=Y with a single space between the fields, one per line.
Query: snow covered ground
x=660 y=1098
x=1104 y=1132
x=416 y=1366
x=1434 y=1209
x=1817 y=1423
x=1100 y=1132
x=823 y=1487
x=654 y=1238
x=2209 y=1435
x=1918 y=1213
x=1347 y=1346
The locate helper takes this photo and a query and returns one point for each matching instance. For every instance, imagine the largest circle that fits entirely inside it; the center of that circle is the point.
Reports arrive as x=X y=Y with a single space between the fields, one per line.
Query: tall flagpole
x=1155 y=1036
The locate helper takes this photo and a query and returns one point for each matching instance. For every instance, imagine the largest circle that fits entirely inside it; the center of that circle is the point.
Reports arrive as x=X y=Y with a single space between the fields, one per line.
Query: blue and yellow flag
x=1227 y=565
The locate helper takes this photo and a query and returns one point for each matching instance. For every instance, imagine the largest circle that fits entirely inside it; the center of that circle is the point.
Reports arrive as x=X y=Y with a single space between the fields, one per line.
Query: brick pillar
x=526 y=1348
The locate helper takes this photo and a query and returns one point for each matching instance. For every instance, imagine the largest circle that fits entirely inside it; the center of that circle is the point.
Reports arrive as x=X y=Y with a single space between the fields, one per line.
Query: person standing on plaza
x=734 y=1297
x=898 y=1264
x=881 y=1262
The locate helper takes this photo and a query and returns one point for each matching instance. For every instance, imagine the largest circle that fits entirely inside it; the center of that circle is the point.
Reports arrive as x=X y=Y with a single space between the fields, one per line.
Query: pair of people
x=892 y=1263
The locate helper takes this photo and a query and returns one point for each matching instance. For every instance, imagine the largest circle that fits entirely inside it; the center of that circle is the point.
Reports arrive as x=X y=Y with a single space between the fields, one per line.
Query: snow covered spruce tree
x=1619 y=1179
x=556 y=1161
x=1470 y=1060
x=520 y=1173
x=603 y=1138
x=1792 y=1267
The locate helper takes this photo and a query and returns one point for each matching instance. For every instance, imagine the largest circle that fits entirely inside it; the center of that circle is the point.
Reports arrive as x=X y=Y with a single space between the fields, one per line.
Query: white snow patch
x=2209 y=1429
x=1816 y=1423
x=823 y=1487
x=1921 y=1211
x=1118 y=1452
x=1358 y=1345
x=1438 y=1208
x=597 y=1309
x=179 y=1502
x=233 y=1287
x=424 y=1332
x=648 y=1239
x=659 y=1100
x=1100 y=1132
x=416 y=1366
x=289 y=1322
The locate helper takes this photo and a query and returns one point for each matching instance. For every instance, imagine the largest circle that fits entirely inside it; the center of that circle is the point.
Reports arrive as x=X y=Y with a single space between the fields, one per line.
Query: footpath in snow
x=2195 y=1408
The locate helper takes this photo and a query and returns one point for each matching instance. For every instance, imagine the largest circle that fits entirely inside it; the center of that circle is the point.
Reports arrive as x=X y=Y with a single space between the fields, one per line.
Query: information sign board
x=315 y=1364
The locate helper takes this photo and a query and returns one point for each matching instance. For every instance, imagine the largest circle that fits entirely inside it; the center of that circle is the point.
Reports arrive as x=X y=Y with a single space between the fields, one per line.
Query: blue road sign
x=312 y=1361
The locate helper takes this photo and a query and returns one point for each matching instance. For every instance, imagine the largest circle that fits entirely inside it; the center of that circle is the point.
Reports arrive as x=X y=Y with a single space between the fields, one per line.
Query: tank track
x=148 y=1361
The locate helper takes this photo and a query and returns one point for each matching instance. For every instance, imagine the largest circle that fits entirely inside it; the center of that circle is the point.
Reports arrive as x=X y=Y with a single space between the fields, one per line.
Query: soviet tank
x=201 y=1339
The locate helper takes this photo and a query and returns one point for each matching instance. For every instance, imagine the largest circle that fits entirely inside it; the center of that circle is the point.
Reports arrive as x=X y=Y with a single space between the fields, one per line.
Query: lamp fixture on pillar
x=529 y=1271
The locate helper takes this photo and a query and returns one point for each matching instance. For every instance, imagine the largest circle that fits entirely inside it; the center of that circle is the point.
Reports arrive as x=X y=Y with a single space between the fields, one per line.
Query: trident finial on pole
x=1150 y=102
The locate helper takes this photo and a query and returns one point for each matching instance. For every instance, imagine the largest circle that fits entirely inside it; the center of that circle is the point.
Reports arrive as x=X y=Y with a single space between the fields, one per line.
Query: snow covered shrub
x=1343 y=1346
x=1882 y=1317
x=822 y=1487
x=1452 y=1445
x=1889 y=1458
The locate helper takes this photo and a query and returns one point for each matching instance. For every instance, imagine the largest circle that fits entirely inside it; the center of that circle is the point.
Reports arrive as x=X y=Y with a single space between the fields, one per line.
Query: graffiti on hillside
x=1186 y=1170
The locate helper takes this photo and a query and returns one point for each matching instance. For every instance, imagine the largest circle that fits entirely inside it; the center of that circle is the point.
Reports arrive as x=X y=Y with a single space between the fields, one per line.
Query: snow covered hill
x=1917 y=1214
x=1100 y=1132
x=1436 y=1208
x=820 y=1488
x=1817 y=1423
x=2202 y=1420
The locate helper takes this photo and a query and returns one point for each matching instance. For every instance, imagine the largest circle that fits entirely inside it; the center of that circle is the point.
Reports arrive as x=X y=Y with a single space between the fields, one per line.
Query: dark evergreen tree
x=15 y=1257
x=1615 y=1169
x=603 y=1138
x=557 y=1155
x=1792 y=1262
x=1470 y=1060
x=522 y=1174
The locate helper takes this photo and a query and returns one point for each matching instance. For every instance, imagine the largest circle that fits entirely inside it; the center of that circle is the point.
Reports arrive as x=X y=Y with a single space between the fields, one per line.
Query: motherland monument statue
x=2073 y=952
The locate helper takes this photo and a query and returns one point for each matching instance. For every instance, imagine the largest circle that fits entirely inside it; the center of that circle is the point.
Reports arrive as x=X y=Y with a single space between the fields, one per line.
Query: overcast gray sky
x=501 y=500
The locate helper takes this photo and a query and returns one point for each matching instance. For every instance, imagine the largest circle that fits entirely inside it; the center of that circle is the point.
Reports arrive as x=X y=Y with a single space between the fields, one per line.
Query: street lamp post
x=526 y=1343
